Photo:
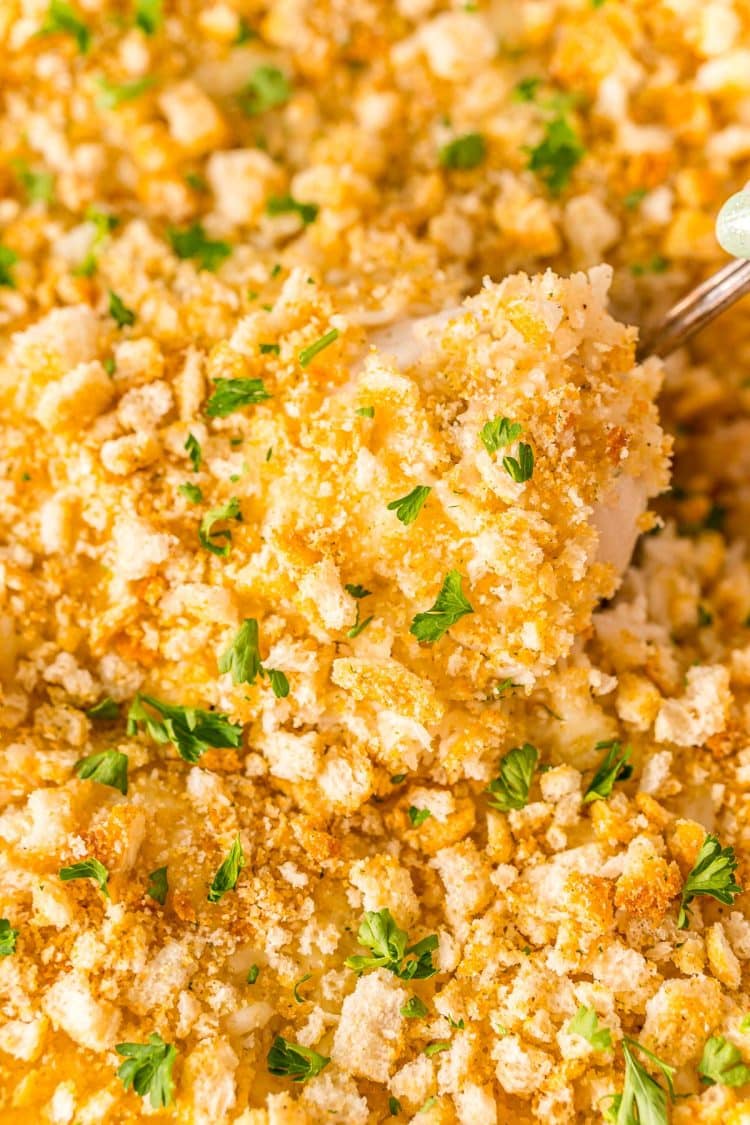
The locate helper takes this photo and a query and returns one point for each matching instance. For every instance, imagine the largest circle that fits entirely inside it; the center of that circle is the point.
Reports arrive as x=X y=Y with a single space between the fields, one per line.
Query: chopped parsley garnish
x=192 y=445
x=119 y=311
x=308 y=354
x=586 y=1023
x=244 y=33
x=291 y=1060
x=232 y=394
x=497 y=691
x=721 y=1063
x=414 y=1009
x=270 y=349
x=196 y=181
x=242 y=660
x=358 y=592
x=398 y=778
x=464 y=152
x=499 y=432
x=365 y=411
x=108 y=767
x=521 y=468
x=450 y=606
x=252 y=974
x=394 y=1106
x=379 y=933
x=613 y=767
x=226 y=877
x=8 y=258
x=633 y=198
x=295 y=991
x=459 y=1024
x=557 y=154
x=39 y=186
x=190 y=729
x=643 y=1100
x=191 y=492
x=286 y=204
x=7 y=938
x=713 y=875
x=62 y=19
x=105 y=709
x=193 y=243
x=418 y=816
x=149 y=15
x=526 y=90
x=657 y=264
x=148 y=1069
x=87 y=869
x=206 y=534
x=103 y=224
x=704 y=617
x=436 y=1048
x=158 y=885
x=510 y=789
x=268 y=87
x=114 y=94
x=408 y=507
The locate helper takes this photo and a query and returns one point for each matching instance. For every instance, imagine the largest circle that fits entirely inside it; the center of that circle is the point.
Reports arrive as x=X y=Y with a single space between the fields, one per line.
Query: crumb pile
x=341 y=780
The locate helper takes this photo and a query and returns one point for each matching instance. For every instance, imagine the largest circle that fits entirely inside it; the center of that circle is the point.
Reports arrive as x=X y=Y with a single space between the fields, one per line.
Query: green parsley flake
x=408 y=507
x=244 y=33
x=398 y=778
x=103 y=224
x=721 y=1063
x=521 y=468
x=158 y=885
x=295 y=991
x=190 y=729
x=291 y=1060
x=268 y=88
x=108 y=767
x=242 y=660
x=252 y=974
x=149 y=15
x=206 y=534
x=115 y=94
x=105 y=709
x=109 y=364
x=286 y=204
x=308 y=354
x=7 y=938
x=191 y=492
x=633 y=198
x=39 y=186
x=270 y=349
x=8 y=258
x=87 y=869
x=499 y=433
x=232 y=394
x=379 y=933
x=365 y=411
x=358 y=592
x=526 y=90
x=510 y=789
x=62 y=19
x=436 y=1048
x=613 y=767
x=464 y=152
x=192 y=445
x=657 y=264
x=394 y=1106
x=120 y=313
x=712 y=875
x=586 y=1023
x=148 y=1069
x=192 y=242
x=414 y=1009
x=418 y=816
x=228 y=873
x=643 y=1099
x=450 y=606
x=557 y=154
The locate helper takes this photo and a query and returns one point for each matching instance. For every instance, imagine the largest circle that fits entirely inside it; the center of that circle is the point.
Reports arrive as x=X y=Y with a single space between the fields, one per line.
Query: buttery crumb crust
x=170 y=221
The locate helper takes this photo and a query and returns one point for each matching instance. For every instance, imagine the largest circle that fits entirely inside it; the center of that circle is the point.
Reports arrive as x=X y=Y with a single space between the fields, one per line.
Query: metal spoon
x=719 y=292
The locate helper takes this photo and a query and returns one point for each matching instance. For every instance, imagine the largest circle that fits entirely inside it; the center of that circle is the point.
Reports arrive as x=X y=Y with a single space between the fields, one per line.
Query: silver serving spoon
x=717 y=293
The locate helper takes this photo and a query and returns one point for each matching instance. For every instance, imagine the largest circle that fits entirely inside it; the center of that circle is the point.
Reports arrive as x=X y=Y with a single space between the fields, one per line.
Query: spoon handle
x=697 y=309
